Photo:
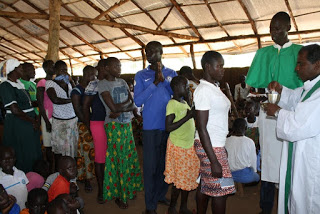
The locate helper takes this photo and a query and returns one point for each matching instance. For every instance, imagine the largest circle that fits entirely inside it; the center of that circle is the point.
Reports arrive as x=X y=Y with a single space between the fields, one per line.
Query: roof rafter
x=118 y=4
x=154 y=21
x=66 y=28
x=122 y=29
x=253 y=24
x=292 y=18
x=23 y=55
x=165 y=17
x=183 y=14
x=219 y=23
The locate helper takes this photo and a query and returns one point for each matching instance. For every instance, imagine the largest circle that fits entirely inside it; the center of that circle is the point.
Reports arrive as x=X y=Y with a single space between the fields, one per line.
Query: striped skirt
x=211 y=186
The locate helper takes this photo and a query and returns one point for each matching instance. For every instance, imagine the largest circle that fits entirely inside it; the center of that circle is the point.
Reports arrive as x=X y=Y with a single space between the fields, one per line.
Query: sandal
x=121 y=204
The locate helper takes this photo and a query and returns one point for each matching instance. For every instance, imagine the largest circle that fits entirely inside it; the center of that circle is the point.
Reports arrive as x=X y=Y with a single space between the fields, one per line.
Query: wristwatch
x=277 y=112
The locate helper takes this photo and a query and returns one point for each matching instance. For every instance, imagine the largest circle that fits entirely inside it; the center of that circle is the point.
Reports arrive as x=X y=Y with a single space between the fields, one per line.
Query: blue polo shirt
x=153 y=98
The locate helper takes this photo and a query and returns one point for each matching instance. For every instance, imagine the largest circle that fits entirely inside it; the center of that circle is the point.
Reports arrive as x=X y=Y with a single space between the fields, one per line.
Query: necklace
x=23 y=89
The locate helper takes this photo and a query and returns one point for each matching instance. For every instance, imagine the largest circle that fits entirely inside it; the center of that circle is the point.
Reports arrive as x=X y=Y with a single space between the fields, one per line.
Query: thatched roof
x=101 y=28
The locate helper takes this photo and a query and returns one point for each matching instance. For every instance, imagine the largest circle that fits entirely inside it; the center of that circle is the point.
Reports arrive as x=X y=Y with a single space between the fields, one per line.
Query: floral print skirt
x=122 y=175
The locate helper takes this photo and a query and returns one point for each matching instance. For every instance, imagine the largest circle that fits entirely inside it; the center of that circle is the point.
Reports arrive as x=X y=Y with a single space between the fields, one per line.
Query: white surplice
x=298 y=122
x=270 y=147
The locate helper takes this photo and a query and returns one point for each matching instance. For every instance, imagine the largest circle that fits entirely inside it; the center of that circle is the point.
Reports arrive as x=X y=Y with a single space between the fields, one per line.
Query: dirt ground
x=248 y=204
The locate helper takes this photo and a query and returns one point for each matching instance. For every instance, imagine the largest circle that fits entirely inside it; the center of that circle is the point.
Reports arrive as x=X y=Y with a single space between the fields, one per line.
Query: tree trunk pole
x=54 y=30
x=144 y=58
x=192 y=57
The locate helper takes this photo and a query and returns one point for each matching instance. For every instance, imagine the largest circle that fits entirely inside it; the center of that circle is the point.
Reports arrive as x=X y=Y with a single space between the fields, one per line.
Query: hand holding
x=216 y=169
x=73 y=188
x=271 y=109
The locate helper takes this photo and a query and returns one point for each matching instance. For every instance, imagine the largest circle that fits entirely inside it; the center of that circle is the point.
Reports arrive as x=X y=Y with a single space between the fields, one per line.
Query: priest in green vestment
x=273 y=63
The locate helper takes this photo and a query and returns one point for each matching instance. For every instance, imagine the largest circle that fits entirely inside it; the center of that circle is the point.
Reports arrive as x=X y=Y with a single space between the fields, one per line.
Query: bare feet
x=121 y=204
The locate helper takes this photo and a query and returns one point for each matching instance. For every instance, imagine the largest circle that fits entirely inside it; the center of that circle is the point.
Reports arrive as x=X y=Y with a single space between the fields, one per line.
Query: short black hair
x=26 y=65
x=102 y=63
x=37 y=193
x=156 y=43
x=185 y=70
x=239 y=125
x=59 y=64
x=177 y=80
x=208 y=56
x=46 y=64
x=41 y=167
x=283 y=16
x=313 y=52
x=62 y=160
x=110 y=60
x=4 y=149
x=55 y=204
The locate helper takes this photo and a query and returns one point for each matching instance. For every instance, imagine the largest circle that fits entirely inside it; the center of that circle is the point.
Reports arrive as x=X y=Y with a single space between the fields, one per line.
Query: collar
x=2 y=174
x=149 y=69
x=310 y=83
x=209 y=83
x=18 y=84
x=286 y=45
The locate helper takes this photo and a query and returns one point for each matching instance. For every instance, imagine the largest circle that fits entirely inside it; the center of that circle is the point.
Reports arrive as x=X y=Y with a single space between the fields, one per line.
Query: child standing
x=182 y=163
x=13 y=180
x=122 y=178
x=68 y=170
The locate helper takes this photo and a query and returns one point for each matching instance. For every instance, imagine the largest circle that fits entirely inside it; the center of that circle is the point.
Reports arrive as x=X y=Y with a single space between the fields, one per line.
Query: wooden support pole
x=144 y=58
x=192 y=57
x=54 y=30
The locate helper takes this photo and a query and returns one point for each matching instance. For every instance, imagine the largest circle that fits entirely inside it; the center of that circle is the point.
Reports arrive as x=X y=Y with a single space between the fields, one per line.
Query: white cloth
x=241 y=153
x=243 y=92
x=252 y=125
x=298 y=122
x=270 y=147
x=15 y=185
x=64 y=111
x=193 y=84
x=7 y=66
x=209 y=97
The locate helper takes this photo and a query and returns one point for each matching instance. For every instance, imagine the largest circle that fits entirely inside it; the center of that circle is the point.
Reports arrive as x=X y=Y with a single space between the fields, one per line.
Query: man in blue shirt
x=152 y=90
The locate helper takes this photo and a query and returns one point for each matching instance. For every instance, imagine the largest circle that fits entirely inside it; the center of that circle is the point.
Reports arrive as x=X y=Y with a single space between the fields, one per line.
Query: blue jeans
x=154 y=153
x=246 y=175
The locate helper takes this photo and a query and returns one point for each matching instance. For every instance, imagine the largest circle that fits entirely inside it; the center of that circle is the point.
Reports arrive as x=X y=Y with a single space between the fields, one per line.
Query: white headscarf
x=7 y=66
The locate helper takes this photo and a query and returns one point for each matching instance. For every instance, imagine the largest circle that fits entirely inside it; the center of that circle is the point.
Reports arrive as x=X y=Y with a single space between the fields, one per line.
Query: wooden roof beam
x=154 y=21
x=118 y=4
x=138 y=41
x=165 y=18
x=64 y=27
x=220 y=25
x=253 y=24
x=293 y=19
x=20 y=15
x=183 y=14
x=23 y=55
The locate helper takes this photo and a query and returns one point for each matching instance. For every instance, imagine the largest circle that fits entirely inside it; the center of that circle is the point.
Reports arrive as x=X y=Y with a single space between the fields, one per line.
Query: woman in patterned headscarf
x=21 y=129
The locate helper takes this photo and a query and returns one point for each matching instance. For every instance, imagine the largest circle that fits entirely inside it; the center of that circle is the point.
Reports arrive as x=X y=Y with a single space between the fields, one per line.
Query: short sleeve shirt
x=59 y=186
x=31 y=88
x=15 y=185
x=118 y=90
x=209 y=97
x=184 y=135
x=64 y=111
x=98 y=112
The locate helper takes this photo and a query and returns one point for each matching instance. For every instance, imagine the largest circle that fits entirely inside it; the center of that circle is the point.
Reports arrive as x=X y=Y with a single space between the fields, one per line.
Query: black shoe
x=165 y=202
x=149 y=212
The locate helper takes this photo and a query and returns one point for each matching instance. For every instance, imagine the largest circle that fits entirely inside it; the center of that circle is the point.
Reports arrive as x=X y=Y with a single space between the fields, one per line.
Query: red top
x=59 y=186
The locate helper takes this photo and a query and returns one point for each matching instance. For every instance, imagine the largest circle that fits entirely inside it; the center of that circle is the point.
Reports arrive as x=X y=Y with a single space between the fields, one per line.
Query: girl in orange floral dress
x=182 y=163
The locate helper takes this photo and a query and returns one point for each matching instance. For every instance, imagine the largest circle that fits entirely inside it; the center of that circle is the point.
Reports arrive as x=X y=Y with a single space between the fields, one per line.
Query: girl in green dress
x=21 y=129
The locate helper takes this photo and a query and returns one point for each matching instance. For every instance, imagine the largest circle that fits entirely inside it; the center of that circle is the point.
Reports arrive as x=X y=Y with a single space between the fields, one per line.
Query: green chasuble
x=31 y=88
x=270 y=64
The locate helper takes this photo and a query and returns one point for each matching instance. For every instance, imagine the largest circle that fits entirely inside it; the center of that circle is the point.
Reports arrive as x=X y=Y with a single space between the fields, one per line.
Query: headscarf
x=7 y=66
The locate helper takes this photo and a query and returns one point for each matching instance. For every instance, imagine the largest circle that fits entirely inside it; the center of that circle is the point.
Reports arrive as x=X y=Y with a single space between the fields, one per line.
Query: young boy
x=8 y=203
x=68 y=170
x=37 y=202
x=13 y=180
x=242 y=155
